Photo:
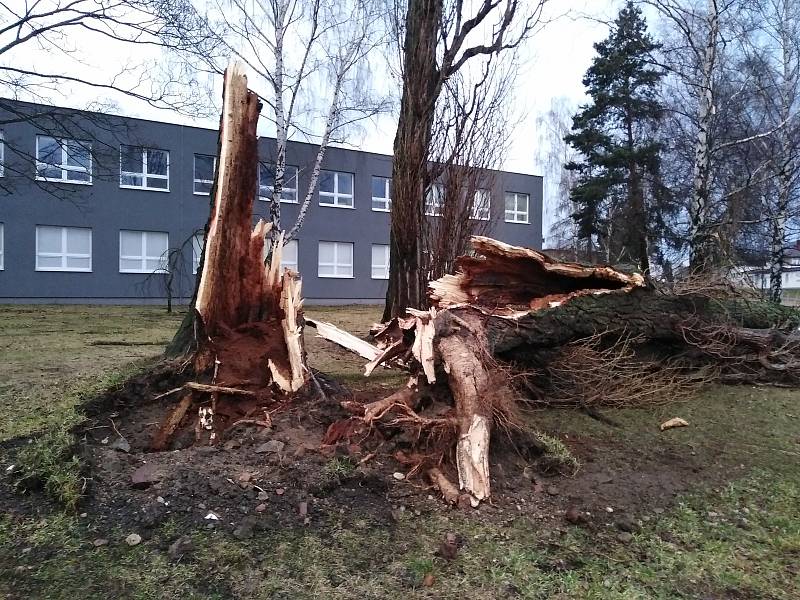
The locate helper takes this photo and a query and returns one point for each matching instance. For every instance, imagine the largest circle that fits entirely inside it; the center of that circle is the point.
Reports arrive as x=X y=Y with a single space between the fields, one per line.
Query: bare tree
x=309 y=64
x=469 y=140
x=552 y=153
x=435 y=47
x=46 y=52
x=773 y=51
x=709 y=95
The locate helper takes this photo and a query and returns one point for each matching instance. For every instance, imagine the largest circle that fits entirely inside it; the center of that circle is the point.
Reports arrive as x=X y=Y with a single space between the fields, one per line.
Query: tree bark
x=409 y=171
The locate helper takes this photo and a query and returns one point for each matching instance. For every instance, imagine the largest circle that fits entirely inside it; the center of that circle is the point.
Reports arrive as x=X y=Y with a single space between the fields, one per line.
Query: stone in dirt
x=183 y=545
x=120 y=444
x=133 y=539
x=100 y=542
x=262 y=496
x=574 y=516
x=399 y=476
x=261 y=508
x=552 y=490
x=625 y=537
x=145 y=476
x=270 y=447
x=627 y=524
x=245 y=529
x=302 y=509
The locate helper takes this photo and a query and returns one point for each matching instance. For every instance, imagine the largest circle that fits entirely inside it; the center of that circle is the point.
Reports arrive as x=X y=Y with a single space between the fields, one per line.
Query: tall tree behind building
x=618 y=194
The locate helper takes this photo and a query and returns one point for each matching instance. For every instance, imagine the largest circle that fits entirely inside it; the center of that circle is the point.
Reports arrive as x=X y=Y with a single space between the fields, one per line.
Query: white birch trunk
x=699 y=207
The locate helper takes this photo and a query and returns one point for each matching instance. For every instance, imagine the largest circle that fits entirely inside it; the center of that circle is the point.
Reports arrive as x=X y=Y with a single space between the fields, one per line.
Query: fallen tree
x=503 y=331
x=512 y=315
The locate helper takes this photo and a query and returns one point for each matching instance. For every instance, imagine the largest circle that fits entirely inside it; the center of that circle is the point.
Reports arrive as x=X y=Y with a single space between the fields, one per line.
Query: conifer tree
x=619 y=197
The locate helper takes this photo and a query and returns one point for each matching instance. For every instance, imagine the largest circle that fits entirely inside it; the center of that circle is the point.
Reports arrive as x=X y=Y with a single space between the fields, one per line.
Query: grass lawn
x=734 y=536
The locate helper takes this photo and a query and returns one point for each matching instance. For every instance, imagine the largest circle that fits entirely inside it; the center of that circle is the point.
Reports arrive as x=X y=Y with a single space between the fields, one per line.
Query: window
x=289 y=256
x=481 y=205
x=2 y=247
x=380 y=261
x=144 y=168
x=335 y=259
x=2 y=153
x=63 y=249
x=434 y=198
x=143 y=251
x=69 y=161
x=336 y=189
x=204 y=167
x=381 y=194
x=266 y=179
x=516 y=207
x=197 y=250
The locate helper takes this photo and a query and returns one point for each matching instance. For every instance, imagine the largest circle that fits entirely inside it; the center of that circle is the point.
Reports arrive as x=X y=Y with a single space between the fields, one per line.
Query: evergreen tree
x=619 y=195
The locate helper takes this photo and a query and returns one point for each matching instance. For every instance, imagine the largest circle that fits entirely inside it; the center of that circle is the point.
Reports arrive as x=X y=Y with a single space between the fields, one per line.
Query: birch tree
x=774 y=53
x=309 y=63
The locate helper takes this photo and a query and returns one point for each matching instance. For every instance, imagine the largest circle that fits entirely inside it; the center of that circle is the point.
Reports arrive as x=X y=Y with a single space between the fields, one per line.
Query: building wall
x=107 y=208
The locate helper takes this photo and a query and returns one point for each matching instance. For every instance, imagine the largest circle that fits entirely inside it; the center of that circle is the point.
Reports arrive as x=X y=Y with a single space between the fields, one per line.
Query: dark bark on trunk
x=640 y=312
x=421 y=87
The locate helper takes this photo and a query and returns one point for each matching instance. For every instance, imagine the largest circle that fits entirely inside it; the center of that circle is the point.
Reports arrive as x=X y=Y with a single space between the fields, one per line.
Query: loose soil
x=283 y=476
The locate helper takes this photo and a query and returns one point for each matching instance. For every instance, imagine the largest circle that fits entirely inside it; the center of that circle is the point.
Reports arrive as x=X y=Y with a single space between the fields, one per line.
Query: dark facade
x=105 y=189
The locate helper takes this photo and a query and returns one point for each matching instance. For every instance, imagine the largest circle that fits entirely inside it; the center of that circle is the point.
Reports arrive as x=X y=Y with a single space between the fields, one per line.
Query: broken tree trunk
x=248 y=311
x=514 y=310
x=250 y=314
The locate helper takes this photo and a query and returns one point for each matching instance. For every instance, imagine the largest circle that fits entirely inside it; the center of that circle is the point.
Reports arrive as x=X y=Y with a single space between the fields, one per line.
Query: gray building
x=96 y=208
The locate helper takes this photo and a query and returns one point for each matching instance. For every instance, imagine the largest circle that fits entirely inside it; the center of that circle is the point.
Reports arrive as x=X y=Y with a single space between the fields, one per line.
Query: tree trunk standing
x=636 y=196
x=700 y=241
x=247 y=322
x=409 y=171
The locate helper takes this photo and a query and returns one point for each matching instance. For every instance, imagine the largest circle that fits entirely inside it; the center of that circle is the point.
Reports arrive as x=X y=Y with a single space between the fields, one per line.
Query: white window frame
x=485 y=205
x=144 y=174
x=265 y=191
x=293 y=265
x=63 y=254
x=386 y=200
x=2 y=246
x=195 y=180
x=335 y=264
x=198 y=239
x=336 y=196
x=65 y=168
x=163 y=260
x=434 y=200
x=516 y=212
x=384 y=267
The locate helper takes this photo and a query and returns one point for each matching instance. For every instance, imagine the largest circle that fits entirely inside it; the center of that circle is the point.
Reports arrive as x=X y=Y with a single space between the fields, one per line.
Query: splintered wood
x=454 y=341
x=248 y=309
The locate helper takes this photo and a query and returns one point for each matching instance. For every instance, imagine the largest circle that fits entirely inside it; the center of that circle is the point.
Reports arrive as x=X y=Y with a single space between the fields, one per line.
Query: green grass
x=738 y=540
x=684 y=553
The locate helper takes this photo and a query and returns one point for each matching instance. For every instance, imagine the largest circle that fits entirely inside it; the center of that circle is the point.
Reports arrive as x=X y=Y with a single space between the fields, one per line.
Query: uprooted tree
x=510 y=327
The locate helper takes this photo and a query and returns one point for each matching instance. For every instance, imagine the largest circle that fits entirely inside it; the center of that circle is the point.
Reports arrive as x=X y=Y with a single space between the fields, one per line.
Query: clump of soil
x=284 y=475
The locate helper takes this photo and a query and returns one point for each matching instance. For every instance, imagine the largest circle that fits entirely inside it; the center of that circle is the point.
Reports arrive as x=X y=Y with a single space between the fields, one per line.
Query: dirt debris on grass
x=301 y=501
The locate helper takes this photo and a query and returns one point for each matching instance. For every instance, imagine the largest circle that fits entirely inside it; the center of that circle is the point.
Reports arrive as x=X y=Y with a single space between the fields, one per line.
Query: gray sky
x=552 y=65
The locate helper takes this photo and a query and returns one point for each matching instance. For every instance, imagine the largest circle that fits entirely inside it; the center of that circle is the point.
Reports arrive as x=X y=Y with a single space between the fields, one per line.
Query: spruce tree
x=618 y=190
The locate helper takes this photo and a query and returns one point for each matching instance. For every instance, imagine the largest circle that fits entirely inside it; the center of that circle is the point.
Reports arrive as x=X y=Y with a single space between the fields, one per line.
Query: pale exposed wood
x=292 y=377
x=221 y=389
x=164 y=435
x=222 y=290
x=511 y=280
x=470 y=385
x=346 y=340
x=422 y=348
x=449 y=491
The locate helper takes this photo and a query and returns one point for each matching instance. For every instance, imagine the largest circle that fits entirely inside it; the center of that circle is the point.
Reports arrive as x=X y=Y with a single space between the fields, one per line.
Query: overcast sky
x=552 y=65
